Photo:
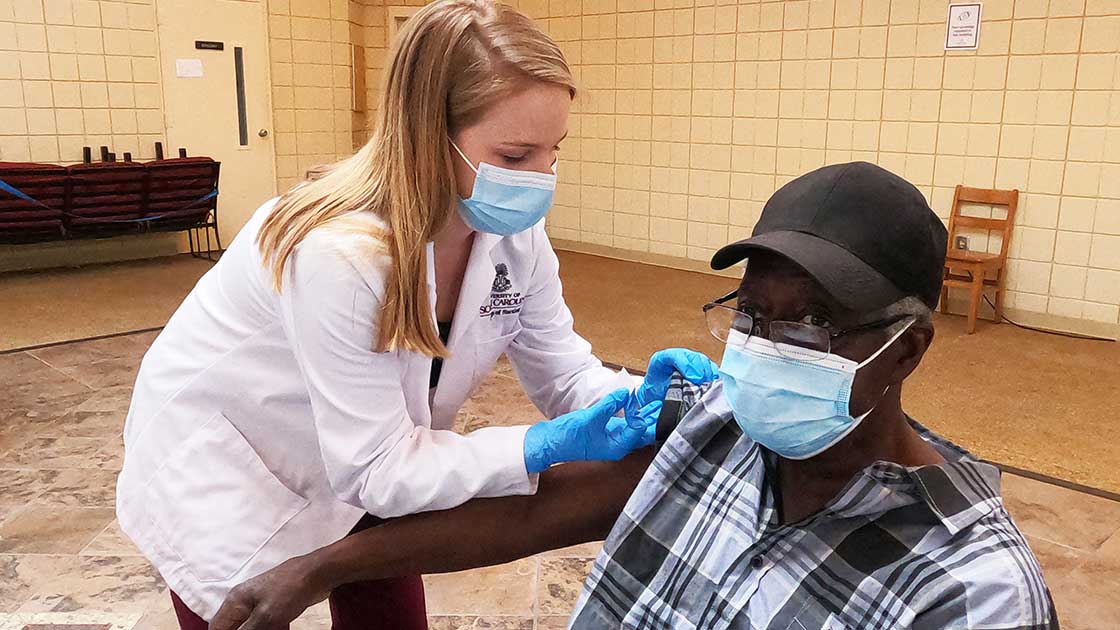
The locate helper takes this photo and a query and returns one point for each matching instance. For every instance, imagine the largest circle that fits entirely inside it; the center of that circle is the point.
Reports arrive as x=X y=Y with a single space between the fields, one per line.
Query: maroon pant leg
x=393 y=604
x=187 y=619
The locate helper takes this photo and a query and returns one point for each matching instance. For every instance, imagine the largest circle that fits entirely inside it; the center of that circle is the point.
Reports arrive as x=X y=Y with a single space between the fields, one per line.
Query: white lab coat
x=263 y=425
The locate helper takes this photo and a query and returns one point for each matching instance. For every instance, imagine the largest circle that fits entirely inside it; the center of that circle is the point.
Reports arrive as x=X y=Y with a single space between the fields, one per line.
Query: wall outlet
x=962 y=242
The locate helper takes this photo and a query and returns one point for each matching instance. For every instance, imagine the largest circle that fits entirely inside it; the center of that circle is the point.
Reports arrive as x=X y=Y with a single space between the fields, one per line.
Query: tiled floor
x=64 y=564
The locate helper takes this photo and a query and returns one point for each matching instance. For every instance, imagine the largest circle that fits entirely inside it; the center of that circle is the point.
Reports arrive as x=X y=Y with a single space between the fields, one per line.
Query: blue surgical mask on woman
x=796 y=408
x=506 y=201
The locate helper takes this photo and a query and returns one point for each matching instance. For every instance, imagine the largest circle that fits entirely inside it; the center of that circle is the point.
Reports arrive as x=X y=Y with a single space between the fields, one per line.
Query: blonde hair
x=451 y=61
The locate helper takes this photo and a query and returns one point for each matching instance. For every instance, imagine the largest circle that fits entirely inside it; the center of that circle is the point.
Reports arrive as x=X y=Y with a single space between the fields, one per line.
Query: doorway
x=217 y=97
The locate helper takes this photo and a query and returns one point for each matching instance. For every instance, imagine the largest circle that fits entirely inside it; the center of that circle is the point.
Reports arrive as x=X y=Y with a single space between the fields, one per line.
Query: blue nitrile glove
x=693 y=366
x=647 y=416
x=587 y=434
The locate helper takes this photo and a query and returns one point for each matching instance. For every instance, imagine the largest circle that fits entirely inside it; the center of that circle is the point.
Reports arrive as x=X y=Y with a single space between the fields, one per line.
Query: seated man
x=795 y=493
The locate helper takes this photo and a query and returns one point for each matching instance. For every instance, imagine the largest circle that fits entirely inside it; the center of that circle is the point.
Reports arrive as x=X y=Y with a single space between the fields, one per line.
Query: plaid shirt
x=699 y=544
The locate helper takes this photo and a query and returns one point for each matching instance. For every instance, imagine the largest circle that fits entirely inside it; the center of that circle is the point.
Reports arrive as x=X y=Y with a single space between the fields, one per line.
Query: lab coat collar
x=477 y=283
x=476 y=286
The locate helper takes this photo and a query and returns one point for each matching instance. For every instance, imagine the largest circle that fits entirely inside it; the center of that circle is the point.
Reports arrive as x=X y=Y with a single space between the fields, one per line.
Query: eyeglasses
x=793 y=340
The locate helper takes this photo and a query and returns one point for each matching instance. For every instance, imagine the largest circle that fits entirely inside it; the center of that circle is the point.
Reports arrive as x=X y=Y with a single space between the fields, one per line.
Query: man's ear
x=912 y=346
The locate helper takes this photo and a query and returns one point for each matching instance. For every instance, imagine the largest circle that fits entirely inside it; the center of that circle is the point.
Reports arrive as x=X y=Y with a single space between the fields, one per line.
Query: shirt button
x=757 y=561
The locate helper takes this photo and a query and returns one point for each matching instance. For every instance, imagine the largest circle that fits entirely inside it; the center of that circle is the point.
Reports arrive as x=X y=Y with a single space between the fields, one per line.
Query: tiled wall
x=694 y=112
x=377 y=18
x=371 y=29
x=311 y=101
x=77 y=73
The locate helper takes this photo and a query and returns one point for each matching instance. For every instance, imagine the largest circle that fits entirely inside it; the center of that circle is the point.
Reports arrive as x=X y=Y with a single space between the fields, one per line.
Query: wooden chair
x=967 y=269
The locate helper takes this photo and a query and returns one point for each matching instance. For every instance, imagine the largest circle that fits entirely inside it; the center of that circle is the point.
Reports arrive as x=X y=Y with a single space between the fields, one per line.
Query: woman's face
x=521 y=132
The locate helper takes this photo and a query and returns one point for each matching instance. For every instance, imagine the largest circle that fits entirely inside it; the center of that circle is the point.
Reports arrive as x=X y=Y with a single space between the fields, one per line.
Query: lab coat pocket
x=215 y=504
x=488 y=351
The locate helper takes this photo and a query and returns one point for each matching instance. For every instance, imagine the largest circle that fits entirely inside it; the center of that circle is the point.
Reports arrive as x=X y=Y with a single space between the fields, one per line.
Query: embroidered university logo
x=501 y=279
x=502 y=300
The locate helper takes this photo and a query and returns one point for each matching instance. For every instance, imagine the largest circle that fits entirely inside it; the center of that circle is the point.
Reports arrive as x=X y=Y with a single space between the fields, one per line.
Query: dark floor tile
x=111 y=542
x=34 y=390
x=500 y=590
x=499 y=401
x=483 y=622
x=85 y=352
x=19 y=487
x=1083 y=586
x=1059 y=515
x=68 y=627
x=54 y=452
x=80 y=488
x=99 y=583
x=145 y=339
x=100 y=415
x=98 y=364
x=559 y=583
x=552 y=622
x=53 y=530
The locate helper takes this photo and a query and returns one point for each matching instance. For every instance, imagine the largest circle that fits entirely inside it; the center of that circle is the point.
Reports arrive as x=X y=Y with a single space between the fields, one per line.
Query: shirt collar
x=962 y=490
x=959 y=492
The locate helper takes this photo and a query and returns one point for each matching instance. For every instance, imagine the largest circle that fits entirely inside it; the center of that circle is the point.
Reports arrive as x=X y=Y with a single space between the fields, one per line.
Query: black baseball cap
x=867 y=235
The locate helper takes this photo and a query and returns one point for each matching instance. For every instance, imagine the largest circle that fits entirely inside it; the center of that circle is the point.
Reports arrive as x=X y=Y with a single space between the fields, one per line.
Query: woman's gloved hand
x=647 y=416
x=587 y=434
x=693 y=366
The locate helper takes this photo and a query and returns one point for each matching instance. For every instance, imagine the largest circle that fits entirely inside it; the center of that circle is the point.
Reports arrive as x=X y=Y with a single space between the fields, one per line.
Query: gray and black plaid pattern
x=700 y=546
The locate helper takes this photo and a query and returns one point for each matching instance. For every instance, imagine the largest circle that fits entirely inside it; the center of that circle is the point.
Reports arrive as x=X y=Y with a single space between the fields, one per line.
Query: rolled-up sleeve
x=375 y=456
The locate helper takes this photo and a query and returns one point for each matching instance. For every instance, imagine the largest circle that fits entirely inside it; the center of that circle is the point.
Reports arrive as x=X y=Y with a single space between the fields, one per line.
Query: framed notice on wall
x=962 y=27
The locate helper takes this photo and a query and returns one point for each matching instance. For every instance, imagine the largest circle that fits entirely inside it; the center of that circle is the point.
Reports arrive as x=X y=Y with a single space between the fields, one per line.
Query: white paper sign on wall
x=188 y=68
x=962 y=28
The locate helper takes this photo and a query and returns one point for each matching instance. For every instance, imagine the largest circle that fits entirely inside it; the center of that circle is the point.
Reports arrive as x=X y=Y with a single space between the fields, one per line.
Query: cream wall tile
x=1072 y=248
x=1054 y=107
x=1103 y=286
x=1095 y=72
x=1013 y=174
x=37 y=94
x=1082 y=178
x=87 y=13
x=1065 y=307
x=1038 y=210
x=1028 y=276
x=1101 y=34
x=1068 y=282
x=1107 y=219
x=1062 y=35
x=14 y=148
x=40 y=122
x=1101 y=312
x=1027 y=301
x=1032 y=244
x=1086 y=144
x=1028 y=36
x=44 y=148
x=1059 y=72
x=1105 y=252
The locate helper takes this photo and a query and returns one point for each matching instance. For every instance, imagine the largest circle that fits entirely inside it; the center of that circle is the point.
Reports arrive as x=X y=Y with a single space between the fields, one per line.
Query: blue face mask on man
x=796 y=408
x=506 y=201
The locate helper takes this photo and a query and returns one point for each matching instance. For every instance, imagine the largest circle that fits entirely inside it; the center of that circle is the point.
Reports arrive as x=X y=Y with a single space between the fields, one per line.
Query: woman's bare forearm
x=574 y=503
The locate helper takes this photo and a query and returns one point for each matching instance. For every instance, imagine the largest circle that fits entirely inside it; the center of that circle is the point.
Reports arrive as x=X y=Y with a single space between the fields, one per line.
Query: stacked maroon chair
x=23 y=221
x=105 y=199
x=179 y=193
x=110 y=199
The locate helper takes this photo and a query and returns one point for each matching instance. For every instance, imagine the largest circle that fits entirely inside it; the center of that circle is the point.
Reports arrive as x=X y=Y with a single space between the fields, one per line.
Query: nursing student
x=304 y=389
